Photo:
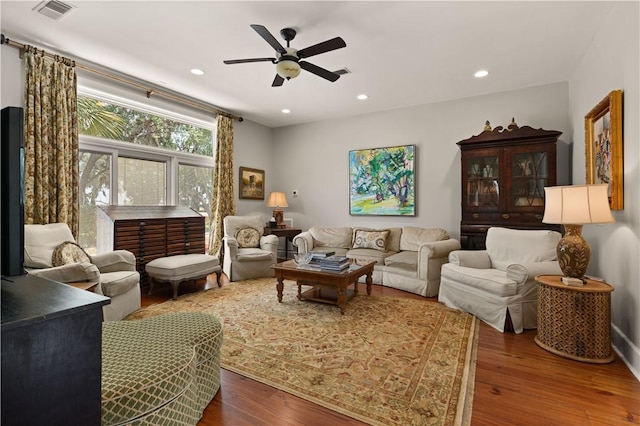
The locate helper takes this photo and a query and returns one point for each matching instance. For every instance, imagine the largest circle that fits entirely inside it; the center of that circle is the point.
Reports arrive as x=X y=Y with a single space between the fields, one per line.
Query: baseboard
x=626 y=350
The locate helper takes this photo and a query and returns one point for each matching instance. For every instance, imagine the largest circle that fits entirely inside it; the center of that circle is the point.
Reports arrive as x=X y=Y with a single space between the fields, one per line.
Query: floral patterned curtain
x=224 y=202
x=51 y=140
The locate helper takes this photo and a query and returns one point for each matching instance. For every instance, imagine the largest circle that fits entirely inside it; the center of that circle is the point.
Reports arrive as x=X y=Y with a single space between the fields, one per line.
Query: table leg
x=369 y=282
x=355 y=287
x=299 y=290
x=280 y=287
x=342 y=298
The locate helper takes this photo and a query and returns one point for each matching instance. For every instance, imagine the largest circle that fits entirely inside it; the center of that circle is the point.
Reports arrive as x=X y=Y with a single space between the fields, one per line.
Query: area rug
x=387 y=360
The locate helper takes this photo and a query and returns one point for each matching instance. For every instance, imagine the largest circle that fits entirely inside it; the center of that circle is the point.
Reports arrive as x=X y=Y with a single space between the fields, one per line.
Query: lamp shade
x=277 y=199
x=577 y=204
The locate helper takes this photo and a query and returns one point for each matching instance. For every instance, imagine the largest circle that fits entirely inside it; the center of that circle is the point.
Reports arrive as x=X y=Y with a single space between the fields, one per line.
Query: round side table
x=575 y=322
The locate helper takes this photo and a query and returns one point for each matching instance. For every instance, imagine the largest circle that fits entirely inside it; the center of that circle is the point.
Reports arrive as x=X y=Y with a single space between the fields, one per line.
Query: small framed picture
x=251 y=184
x=603 y=139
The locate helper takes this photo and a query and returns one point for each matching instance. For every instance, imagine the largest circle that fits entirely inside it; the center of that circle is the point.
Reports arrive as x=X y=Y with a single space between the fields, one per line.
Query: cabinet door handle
x=476 y=215
x=505 y=216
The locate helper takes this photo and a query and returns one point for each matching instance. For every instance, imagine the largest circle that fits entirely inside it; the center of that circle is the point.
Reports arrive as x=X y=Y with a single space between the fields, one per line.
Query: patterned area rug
x=386 y=361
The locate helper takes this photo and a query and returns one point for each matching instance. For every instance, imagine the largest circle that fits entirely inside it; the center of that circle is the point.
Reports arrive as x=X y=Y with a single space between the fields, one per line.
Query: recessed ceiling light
x=481 y=73
x=362 y=96
x=286 y=111
x=197 y=71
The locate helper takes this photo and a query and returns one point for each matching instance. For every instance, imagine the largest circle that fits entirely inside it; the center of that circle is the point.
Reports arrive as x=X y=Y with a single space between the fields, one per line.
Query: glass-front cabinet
x=504 y=172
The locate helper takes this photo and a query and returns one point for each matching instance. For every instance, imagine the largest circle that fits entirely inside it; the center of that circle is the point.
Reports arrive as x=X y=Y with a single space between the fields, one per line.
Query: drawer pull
x=538 y=216
x=476 y=215
x=505 y=216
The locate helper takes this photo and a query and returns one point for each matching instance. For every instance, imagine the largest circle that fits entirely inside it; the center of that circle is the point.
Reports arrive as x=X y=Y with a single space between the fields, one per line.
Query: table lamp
x=278 y=200
x=573 y=206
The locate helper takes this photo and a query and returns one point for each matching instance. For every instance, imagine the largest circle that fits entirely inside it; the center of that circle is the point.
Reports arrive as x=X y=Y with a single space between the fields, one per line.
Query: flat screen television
x=12 y=194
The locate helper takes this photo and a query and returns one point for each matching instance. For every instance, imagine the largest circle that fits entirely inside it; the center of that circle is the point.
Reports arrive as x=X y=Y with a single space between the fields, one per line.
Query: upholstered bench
x=182 y=267
x=162 y=370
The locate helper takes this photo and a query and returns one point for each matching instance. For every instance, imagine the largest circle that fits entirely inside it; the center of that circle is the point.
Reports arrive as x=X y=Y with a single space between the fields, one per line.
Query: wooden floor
x=516 y=383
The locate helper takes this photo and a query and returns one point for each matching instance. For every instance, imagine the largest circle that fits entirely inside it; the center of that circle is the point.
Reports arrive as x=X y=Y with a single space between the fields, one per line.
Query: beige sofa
x=407 y=258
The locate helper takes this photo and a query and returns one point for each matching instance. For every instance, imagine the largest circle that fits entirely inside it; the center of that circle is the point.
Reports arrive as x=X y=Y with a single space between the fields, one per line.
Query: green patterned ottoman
x=162 y=370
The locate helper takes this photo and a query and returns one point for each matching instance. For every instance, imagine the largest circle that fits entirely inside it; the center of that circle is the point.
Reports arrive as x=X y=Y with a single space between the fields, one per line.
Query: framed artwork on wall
x=251 y=184
x=604 y=153
x=382 y=181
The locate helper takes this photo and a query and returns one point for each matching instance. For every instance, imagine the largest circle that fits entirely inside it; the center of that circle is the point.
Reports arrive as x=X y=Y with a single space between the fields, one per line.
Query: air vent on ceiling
x=54 y=9
x=342 y=71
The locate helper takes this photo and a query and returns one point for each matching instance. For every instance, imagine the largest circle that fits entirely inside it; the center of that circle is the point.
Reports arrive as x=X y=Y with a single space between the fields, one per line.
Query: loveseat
x=407 y=258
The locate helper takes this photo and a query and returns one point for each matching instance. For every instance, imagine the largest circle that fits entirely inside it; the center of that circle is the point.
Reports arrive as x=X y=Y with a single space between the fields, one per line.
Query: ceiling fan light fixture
x=288 y=69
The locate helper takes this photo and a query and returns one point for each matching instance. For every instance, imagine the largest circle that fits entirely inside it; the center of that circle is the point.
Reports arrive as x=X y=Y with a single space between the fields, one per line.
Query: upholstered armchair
x=50 y=252
x=498 y=284
x=247 y=252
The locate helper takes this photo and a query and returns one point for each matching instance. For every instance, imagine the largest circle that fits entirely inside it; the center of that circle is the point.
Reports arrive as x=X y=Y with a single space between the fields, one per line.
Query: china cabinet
x=504 y=172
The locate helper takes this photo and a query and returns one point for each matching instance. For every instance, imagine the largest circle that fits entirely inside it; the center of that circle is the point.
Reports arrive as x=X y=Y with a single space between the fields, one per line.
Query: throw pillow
x=69 y=252
x=248 y=237
x=371 y=239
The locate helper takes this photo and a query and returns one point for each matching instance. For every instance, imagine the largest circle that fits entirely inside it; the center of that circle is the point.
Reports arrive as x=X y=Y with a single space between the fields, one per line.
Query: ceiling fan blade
x=266 y=35
x=325 y=46
x=242 y=61
x=321 y=72
x=277 y=81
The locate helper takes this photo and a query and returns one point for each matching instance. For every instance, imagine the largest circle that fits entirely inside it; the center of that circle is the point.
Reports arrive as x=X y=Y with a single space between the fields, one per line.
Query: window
x=148 y=156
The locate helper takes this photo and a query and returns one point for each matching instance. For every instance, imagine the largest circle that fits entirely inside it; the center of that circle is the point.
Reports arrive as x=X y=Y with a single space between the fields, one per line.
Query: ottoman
x=162 y=370
x=182 y=267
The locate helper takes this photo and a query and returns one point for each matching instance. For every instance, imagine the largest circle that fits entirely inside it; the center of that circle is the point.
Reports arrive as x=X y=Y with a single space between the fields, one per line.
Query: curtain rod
x=150 y=92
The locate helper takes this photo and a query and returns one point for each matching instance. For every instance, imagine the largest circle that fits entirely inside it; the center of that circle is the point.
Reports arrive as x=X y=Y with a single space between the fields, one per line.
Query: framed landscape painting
x=603 y=139
x=382 y=181
x=251 y=184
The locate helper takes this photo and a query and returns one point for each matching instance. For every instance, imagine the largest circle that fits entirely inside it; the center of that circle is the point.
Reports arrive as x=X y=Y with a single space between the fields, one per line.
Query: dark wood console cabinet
x=51 y=353
x=504 y=172
x=150 y=232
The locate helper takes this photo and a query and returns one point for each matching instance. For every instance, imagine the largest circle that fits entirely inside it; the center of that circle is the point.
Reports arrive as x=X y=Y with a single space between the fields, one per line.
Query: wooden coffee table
x=327 y=286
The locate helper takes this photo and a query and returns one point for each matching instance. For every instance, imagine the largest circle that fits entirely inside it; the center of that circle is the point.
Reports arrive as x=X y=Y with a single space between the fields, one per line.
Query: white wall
x=611 y=63
x=11 y=78
x=313 y=158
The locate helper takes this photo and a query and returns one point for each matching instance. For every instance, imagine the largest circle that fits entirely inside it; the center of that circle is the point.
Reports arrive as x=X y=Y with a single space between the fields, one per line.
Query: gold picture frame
x=603 y=147
x=251 y=184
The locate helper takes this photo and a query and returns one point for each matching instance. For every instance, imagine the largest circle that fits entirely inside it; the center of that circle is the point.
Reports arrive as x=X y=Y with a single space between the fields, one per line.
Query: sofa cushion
x=331 y=237
x=376 y=240
x=369 y=255
x=412 y=237
x=507 y=246
x=492 y=281
x=41 y=240
x=69 y=252
x=404 y=259
x=248 y=237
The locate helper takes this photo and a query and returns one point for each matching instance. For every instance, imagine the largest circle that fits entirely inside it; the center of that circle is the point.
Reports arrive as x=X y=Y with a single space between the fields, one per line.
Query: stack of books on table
x=321 y=254
x=333 y=263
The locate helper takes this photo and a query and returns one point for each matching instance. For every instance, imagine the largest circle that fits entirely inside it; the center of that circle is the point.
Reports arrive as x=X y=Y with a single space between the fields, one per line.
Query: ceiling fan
x=287 y=59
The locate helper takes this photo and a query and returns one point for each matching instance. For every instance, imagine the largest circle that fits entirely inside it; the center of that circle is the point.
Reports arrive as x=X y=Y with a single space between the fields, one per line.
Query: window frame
x=117 y=148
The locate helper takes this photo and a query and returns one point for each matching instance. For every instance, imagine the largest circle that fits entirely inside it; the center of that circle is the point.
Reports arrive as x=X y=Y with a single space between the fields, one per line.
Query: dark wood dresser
x=51 y=353
x=150 y=232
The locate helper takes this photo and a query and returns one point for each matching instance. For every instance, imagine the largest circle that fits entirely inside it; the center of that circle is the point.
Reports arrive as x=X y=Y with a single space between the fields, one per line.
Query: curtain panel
x=51 y=140
x=224 y=202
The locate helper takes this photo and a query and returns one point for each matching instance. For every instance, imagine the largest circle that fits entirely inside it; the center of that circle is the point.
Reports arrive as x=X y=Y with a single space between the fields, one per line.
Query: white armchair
x=498 y=284
x=247 y=252
x=115 y=271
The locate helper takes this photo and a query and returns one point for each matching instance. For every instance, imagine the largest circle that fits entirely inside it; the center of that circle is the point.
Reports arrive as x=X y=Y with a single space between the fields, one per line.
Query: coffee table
x=327 y=286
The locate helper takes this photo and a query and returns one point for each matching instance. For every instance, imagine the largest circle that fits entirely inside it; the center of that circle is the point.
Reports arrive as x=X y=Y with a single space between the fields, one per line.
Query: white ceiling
x=399 y=53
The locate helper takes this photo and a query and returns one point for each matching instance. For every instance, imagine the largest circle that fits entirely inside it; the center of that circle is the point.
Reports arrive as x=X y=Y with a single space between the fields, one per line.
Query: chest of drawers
x=150 y=232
